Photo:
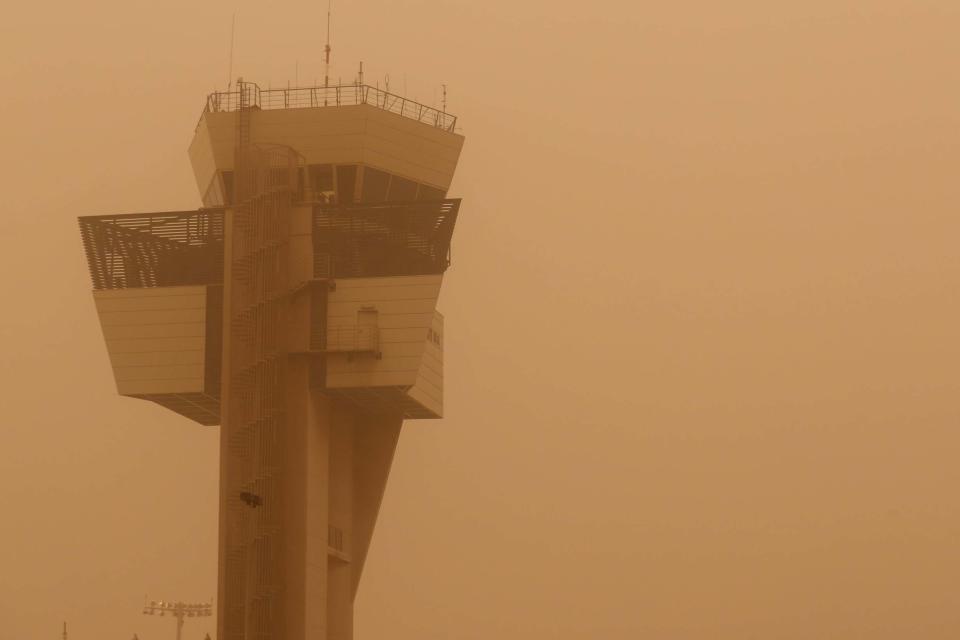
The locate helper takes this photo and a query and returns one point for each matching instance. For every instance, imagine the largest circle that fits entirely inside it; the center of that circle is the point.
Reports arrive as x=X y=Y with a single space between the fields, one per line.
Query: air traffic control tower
x=296 y=309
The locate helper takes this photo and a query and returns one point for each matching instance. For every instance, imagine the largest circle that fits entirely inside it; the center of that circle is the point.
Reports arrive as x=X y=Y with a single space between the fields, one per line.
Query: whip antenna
x=326 y=50
x=233 y=25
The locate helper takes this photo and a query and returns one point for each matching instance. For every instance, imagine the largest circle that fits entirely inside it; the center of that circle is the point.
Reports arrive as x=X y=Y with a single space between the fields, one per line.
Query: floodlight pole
x=178 y=610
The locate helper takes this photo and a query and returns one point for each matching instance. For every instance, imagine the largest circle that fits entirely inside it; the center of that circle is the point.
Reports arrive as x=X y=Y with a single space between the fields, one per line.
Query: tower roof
x=346 y=125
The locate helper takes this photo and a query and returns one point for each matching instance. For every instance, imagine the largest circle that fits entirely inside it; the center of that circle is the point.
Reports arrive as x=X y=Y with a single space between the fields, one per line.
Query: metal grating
x=154 y=249
x=384 y=400
x=388 y=239
x=199 y=407
x=254 y=425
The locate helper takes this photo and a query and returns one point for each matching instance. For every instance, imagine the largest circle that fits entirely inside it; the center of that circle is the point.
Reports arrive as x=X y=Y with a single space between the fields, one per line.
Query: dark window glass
x=375 y=184
x=321 y=180
x=282 y=176
x=228 y=187
x=402 y=190
x=346 y=183
x=429 y=193
x=287 y=178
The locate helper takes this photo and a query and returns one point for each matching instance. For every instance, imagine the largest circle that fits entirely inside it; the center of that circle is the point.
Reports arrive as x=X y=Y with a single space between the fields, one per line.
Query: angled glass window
x=375 y=185
x=346 y=183
x=402 y=190
x=430 y=193
x=320 y=182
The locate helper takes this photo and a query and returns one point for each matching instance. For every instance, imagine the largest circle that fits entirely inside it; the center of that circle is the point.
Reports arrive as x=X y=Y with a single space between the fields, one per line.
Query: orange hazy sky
x=701 y=326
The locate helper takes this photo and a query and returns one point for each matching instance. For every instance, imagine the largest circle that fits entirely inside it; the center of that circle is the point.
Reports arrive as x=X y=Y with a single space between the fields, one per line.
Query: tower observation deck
x=296 y=309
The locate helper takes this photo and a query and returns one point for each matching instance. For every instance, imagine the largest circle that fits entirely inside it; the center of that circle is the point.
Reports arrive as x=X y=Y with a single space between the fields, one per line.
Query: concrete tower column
x=297 y=310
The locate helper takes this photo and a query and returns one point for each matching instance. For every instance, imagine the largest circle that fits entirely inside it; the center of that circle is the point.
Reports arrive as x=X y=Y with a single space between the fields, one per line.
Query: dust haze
x=701 y=324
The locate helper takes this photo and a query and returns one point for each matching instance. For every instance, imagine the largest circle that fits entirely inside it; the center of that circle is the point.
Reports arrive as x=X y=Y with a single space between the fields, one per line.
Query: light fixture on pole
x=179 y=610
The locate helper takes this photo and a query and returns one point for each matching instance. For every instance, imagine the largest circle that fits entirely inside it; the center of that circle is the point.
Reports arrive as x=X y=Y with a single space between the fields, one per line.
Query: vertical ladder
x=241 y=170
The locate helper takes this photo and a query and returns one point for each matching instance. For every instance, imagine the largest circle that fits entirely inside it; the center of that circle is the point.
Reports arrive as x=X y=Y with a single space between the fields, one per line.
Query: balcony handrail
x=335 y=96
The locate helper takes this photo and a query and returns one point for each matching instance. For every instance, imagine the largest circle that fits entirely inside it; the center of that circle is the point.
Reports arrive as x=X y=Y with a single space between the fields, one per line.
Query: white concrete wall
x=428 y=389
x=155 y=338
x=356 y=134
x=406 y=308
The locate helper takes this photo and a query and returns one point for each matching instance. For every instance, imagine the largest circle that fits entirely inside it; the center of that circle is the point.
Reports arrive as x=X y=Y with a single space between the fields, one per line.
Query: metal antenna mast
x=326 y=50
x=233 y=25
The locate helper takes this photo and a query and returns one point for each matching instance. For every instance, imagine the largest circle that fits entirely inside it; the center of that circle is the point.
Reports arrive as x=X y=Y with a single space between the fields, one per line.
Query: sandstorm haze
x=701 y=324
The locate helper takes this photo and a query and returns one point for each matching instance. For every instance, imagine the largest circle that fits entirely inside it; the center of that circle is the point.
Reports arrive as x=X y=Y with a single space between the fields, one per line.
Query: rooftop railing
x=336 y=96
